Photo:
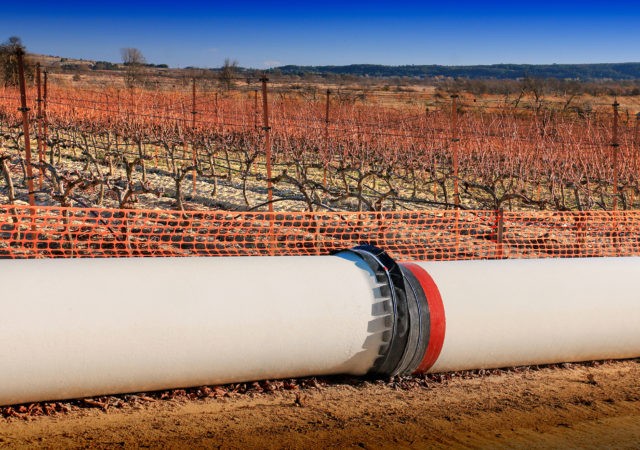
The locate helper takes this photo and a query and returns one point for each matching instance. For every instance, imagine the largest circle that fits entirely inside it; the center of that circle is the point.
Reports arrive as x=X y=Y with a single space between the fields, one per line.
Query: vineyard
x=329 y=150
x=251 y=168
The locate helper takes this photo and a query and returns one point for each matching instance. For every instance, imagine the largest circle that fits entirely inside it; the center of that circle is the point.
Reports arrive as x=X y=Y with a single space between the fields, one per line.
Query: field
x=191 y=145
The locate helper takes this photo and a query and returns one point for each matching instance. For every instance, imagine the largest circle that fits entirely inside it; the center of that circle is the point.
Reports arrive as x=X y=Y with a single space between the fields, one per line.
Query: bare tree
x=537 y=87
x=227 y=73
x=134 y=62
x=9 y=61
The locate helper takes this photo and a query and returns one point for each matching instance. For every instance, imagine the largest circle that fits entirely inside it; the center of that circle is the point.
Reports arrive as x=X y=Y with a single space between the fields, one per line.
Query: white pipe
x=522 y=312
x=75 y=328
x=80 y=327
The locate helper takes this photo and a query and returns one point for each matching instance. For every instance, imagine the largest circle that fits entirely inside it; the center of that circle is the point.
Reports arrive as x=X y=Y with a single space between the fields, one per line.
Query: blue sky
x=263 y=34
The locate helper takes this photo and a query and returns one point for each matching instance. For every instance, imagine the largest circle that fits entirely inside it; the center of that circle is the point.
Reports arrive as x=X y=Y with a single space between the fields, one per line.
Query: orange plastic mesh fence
x=59 y=232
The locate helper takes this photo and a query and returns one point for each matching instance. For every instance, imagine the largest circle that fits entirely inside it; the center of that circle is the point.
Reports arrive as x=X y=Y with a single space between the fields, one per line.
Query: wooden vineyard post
x=581 y=218
x=25 y=125
x=499 y=233
x=255 y=109
x=44 y=118
x=39 y=127
x=215 y=110
x=454 y=148
x=615 y=145
x=193 y=102
x=636 y=138
x=267 y=140
x=118 y=120
x=454 y=157
x=193 y=132
x=326 y=141
x=267 y=150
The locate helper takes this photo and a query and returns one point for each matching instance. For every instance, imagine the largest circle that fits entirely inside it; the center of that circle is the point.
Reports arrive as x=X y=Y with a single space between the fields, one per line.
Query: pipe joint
x=404 y=346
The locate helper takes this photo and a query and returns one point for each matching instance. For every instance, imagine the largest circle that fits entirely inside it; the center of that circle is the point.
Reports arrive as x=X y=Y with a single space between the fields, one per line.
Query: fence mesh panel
x=61 y=232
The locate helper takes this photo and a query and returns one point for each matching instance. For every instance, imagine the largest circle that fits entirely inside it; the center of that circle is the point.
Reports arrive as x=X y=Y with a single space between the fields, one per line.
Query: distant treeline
x=583 y=72
x=103 y=65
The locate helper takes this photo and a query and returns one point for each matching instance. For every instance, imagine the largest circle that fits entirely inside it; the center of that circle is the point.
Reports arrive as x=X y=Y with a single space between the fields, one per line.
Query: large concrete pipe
x=75 y=328
x=506 y=313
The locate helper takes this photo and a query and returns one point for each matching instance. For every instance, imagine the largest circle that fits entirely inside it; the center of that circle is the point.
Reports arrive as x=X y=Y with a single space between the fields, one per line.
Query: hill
x=583 y=72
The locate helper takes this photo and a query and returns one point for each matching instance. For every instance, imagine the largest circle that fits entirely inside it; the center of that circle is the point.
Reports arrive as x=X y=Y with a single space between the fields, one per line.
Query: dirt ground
x=567 y=406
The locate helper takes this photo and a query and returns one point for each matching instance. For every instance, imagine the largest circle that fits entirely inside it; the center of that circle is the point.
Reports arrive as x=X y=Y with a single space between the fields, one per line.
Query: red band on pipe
x=437 y=319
